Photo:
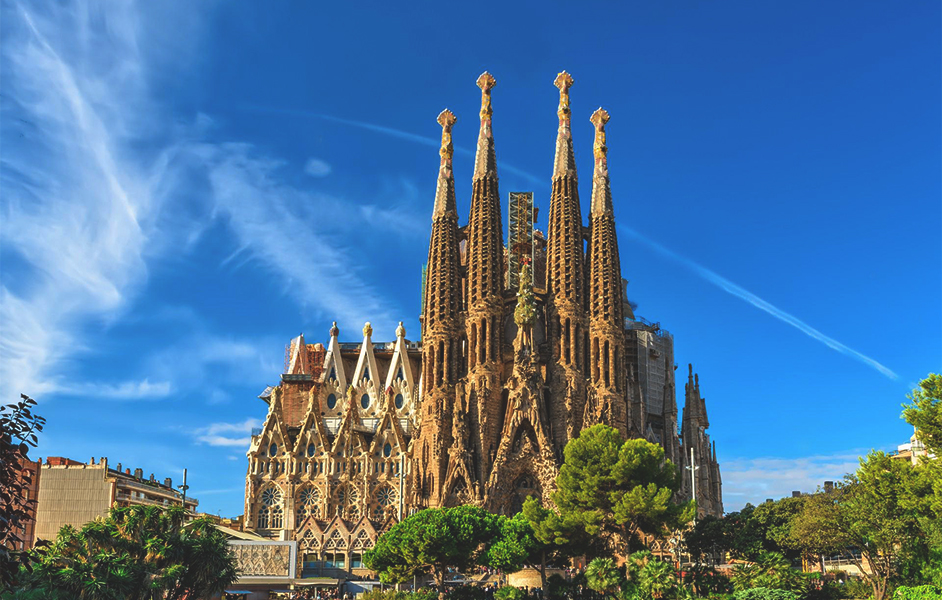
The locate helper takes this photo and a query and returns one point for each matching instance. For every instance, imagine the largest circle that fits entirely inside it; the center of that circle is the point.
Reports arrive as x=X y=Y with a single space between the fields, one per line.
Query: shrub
x=771 y=571
x=919 y=592
x=423 y=594
x=761 y=593
x=857 y=587
x=466 y=592
x=509 y=592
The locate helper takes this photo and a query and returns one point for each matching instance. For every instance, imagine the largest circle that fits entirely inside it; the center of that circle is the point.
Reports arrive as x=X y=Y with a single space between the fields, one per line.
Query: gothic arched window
x=309 y=503
x=271 y=514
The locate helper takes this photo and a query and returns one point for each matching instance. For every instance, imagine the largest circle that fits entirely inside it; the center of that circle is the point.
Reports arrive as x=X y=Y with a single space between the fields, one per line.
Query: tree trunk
x=440 y=581
x=543 y=572
x=879 y=588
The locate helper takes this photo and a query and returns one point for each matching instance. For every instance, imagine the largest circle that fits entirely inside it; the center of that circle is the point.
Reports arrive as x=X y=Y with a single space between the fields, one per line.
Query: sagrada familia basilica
x=523 y=345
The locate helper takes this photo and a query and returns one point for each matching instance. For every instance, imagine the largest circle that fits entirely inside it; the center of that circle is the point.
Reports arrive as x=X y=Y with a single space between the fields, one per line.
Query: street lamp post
x=692 y=467
x=184 y=487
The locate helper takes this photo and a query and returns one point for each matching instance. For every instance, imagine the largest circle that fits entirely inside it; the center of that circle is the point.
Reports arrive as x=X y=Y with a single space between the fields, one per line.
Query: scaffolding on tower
x=520 y=225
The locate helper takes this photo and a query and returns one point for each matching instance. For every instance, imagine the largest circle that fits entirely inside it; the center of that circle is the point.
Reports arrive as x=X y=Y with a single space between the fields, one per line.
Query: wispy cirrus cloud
x=98 y=184
x=743 y=294
x=74 y=204
x=227 y=434
x=125 y=390
x=754 y=480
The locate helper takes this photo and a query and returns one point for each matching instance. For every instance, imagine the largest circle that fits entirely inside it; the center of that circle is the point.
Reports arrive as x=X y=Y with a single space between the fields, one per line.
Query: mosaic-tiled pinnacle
x=601 y=188
x=445 y=191
x=485 y=160
x=565 y=162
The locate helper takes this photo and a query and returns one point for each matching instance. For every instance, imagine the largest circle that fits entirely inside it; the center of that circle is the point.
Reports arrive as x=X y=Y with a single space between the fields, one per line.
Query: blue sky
x=186 y=186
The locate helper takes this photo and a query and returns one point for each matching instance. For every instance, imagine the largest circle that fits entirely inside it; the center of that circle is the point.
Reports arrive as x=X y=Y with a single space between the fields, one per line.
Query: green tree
x=18 y=432
x=925 y=412
x=135 y=553
x=433 y=541
x=870 y=513
x=708 y=535
x=770 y=571
x=657 y=579
x=619 y=490
x=555 y=537
x=514 y=544
x=924 y=565
x=604 y=576
x=774 y=520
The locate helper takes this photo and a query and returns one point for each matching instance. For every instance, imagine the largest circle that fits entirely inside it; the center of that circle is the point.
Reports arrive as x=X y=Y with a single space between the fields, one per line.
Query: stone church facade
x=359 y=435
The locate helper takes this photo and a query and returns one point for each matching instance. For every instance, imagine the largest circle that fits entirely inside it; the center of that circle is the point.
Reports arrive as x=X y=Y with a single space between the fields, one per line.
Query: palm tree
x=657 y=579
x=604 y=576
x=136 y=553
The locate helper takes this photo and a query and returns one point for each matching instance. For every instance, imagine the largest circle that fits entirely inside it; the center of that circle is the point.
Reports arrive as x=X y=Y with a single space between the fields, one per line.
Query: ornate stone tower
x=360 y=434
x=441 y=334
x=699 y=453
x=485 y=285
x=606 y=323
x=568 y=333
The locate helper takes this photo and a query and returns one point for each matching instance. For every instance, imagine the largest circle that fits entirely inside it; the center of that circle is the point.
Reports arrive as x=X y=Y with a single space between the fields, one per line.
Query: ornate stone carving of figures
x=525 y=313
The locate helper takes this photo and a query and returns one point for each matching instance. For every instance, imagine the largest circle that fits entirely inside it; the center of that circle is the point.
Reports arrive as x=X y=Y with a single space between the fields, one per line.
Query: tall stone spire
x=441 y=330
x=445 y=191
x=442 y=279
x=606 y=322
x=565 y=163
x=565 y=282
x=485 y=286
x=485 y=159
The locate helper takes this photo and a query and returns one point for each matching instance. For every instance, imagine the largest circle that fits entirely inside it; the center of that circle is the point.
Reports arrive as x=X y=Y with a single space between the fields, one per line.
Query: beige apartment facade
x=73 y=493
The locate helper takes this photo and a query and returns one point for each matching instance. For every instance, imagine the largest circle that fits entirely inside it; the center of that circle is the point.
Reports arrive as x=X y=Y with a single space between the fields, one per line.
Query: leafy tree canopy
x=870 y=512
x=135 y=553
x=619 y=489
x=438 y=539
x=18 y=432
x=925 y=412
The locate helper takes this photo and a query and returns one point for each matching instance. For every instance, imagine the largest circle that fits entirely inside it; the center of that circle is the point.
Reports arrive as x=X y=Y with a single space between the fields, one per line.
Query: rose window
x=385 y=497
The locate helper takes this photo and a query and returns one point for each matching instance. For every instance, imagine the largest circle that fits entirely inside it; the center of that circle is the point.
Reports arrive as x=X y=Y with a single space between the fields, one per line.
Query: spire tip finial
x=600 y=117
x=486 y=82
x=446 y=119
x=563 y=82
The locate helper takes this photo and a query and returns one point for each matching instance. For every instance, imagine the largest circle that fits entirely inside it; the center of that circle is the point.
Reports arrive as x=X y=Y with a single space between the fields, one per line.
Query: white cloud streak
x=98 y=181
x=127 y=390
x=398 y=134
x=227 y=434
x=743 y=294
